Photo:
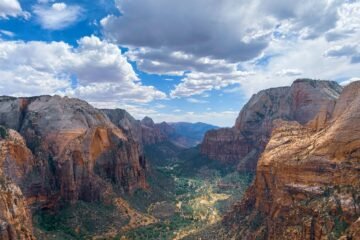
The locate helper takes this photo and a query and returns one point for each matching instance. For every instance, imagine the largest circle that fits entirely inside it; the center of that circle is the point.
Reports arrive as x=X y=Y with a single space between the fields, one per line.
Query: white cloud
x=296 y=55
x=341 y=51
x=291 y=58
x=195 y=100
x=7 y=33
x=196 y=83
x=103 y=73
x=57 y=16
x=24 y=80
x=289 y=72
x=224 y=38
x=12 y=8
x=346 y=82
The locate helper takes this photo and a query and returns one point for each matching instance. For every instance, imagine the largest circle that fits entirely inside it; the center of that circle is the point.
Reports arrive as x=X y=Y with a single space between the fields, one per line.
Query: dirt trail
x=137 y=219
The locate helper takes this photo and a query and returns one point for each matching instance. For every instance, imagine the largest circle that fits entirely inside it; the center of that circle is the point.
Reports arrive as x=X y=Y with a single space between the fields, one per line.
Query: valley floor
x=187 y=194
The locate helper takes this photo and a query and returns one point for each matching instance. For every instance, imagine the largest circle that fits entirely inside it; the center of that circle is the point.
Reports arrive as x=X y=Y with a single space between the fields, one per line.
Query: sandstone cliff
x=152 y=133
x=15 y=163
x=307 y=181
x=78 y=153
x=243 y=144
x=125 y=121
x=145 y=132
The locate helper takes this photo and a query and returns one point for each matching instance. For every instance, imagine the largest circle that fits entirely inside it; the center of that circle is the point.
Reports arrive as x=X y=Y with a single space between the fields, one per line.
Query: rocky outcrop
x=307 y=182
x=125 y=121
x=151 y=132
x=305 y=101
x=15 y=164
x=15 y=217
x=78 y=153
x=145 y=132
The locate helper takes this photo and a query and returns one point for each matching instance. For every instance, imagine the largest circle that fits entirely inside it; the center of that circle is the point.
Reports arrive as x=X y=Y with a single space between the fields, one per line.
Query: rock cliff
x=307 y=182
x=15 y=163
x=122 y=119
x=78 y=154
x=152 y=133
x=301 y=102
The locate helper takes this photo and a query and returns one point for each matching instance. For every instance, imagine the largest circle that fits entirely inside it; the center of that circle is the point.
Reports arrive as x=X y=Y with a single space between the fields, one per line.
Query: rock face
x=15 y=163
x=125 y=121
x=243 y=144
x=15 y=217
x=78 y=153
x=307 y=181
x=145 y=132
x=152 y=133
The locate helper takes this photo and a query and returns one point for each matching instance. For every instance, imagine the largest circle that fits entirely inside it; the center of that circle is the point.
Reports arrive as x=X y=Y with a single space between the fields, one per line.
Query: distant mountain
x=189 y=134
x=182 y=134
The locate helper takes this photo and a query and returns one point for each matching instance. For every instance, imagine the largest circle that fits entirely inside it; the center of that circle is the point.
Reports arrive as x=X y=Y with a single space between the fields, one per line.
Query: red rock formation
x=244 y=143
x=307 y=181
x=78 y=153
x=15 y=163
x=151 y=133
x=15 y=217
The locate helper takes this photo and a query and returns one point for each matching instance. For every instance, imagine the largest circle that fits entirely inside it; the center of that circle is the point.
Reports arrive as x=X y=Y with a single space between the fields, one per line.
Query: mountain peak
x=147 y=121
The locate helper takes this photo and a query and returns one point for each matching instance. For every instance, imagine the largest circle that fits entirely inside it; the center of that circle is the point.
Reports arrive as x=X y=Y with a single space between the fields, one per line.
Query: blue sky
x=190 y=60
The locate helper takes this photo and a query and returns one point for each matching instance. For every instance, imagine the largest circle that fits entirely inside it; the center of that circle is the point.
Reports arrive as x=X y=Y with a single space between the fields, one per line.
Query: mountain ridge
x=147 y=132
x=243 y=143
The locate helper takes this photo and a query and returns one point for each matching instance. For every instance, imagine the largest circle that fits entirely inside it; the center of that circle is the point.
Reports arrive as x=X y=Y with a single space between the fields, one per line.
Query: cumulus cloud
x=57 y=16
x=341 y=51
x=289 y=72
x=102 y=73
x=216 y=39
x=11 y=8
x=194 y=27
x=197 y=27
x=313 y=64
x=196 y=83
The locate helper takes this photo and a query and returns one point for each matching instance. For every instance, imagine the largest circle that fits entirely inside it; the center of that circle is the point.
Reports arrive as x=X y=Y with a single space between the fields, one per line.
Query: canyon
x=61 y=157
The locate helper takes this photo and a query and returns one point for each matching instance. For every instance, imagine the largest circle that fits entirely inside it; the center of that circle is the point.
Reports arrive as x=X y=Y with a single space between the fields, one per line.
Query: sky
x=189 y=60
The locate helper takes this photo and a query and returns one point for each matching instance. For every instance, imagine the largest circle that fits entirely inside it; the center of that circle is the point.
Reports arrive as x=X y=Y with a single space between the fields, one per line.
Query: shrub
x=256 y=221
x=3 y=132
x=340 y=227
